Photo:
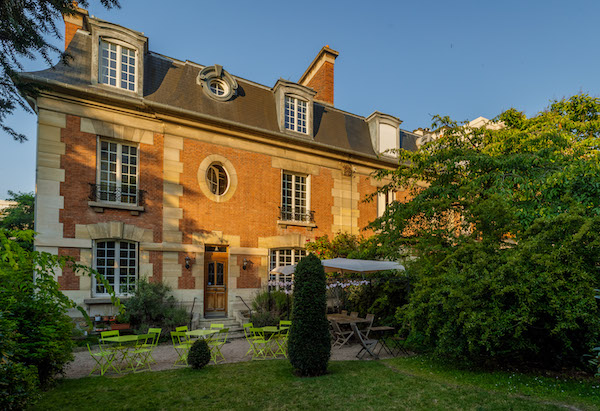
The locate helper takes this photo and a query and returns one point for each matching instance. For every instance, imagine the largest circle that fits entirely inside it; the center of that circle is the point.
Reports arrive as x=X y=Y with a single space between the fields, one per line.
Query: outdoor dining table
x=123 y=345
x=346 y=319
x=202 y=333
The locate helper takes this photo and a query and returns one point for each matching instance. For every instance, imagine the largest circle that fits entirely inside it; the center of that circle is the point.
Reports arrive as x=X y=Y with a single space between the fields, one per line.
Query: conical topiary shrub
x=309 y=343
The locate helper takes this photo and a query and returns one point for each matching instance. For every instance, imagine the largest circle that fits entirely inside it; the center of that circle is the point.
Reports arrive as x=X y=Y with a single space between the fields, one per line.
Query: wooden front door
x=215 y=283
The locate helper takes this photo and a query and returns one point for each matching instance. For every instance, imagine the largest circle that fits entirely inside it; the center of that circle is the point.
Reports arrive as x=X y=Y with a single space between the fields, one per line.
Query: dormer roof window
x=295 y=114
x=117 y=65
x=217 y=83
x=294 y=105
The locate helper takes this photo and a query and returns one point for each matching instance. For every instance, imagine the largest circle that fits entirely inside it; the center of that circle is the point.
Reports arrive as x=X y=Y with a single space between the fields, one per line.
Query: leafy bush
x=264 y=319
x=274 y=304
x=35 y=332
x=381 y=297
x=309 y=343
x=533 y=302
x=199 y=354
x=152 y=305
x=18 y=386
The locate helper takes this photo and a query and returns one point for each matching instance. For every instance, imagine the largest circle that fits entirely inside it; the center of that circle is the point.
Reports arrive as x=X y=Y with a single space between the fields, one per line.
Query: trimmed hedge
x=309 y=343
x=199 y=354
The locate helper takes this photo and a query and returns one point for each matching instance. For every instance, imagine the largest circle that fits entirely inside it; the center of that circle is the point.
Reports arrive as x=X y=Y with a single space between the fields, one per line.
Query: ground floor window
x=117 y=261
x=281 y=257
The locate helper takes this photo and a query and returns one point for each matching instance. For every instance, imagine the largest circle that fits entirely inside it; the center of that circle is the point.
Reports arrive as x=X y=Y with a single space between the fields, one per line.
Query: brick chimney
x=73 y=22
x=319 y=75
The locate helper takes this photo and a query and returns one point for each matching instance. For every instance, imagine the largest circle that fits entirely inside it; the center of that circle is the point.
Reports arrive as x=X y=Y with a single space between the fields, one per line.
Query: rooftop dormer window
x=294 y=105
x=117 y=65
x=117 y=57
x=295 y=114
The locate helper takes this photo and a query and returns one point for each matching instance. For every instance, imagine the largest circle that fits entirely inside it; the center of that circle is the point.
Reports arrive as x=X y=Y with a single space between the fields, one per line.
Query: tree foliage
x=35 y=330
x=25 y=26
x=20 y=215
x=502 y=221
x=309 y=343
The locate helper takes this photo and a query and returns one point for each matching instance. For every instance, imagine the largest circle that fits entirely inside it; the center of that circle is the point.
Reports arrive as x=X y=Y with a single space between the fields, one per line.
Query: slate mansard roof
x=170 y=84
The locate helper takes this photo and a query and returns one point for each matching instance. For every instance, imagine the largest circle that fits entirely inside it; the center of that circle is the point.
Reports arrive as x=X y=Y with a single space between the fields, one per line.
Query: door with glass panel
x=215 y=281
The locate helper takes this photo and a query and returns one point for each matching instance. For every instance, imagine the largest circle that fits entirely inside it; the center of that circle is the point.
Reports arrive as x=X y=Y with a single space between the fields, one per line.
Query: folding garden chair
x=155 y=332
x=185 y=340
x=103 y=359
x=140 y=356
x=217 y=326
x=281 y=339
x=354 y=314
x=258 y=343
x=368 y=346
x=370 y=318
x=108 y=334
x=217 y=342
x=249 y=336
x=181 y=346
x=341 y=337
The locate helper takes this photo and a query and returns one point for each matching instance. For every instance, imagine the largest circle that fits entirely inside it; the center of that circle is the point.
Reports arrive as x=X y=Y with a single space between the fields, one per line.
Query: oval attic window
x=217 y=179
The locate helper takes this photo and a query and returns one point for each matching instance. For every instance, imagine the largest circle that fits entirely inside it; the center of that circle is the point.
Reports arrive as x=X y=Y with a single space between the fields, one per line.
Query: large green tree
x=20 y=215
x=25 y=29
x=502 y=220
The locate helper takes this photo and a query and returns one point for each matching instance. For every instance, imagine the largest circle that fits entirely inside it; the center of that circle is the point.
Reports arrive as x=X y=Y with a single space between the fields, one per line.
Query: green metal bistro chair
x=216 y=342
x=181 y=347
x=108 y=334
x=141 y=354
x=249 y=336
x=217 y=326
x=103 y=359
x=155 y=332
x=260 y=346
x=281 y=338
x=186 y=340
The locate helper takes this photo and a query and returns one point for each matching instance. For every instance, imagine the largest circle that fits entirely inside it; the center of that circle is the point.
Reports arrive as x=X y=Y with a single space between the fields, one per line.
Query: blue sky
x=412 y=59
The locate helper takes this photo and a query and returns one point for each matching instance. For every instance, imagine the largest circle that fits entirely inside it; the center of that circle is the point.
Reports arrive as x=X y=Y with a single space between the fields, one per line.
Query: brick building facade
x=150 y=167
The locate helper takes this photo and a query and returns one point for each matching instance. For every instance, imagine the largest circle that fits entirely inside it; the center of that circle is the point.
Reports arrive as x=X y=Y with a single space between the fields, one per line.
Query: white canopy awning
x=349 y=265
x=346 y=265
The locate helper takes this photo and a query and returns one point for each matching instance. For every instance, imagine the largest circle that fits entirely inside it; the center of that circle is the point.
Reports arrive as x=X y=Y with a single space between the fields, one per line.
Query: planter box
x=120 y=326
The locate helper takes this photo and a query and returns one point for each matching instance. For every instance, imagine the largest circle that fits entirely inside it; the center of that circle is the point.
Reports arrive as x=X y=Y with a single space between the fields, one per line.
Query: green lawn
x=413 y=383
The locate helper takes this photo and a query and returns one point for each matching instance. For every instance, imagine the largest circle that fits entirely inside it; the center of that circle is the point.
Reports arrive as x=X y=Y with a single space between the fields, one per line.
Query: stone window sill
x=100 y=206
x=285 y=223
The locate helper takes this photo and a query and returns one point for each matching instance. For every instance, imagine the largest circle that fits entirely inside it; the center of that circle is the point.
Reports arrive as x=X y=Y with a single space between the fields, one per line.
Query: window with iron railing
x=295 y=198
x=117 y=176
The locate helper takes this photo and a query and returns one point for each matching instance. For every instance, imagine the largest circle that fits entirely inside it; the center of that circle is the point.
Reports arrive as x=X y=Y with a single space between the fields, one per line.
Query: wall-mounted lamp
x=246 y=264
x=187 y=262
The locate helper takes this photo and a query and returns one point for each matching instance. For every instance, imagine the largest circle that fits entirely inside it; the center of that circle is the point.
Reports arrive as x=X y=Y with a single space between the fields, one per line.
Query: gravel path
x=164 y=354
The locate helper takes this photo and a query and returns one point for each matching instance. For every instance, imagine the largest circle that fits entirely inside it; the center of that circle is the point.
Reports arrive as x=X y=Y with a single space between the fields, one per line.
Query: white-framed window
x=295 y=197
x=281 y=257
x=384 y=200
x=117 y=178
x=295 y=114
x=117 y=65
x=117 y=262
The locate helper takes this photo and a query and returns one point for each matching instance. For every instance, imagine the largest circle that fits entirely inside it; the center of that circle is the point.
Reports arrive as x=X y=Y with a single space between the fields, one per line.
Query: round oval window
x=217 y=179
x=218 y=87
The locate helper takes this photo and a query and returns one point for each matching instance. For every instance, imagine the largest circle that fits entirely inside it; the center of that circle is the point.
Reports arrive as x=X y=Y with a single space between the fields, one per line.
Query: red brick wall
x=79 y=163
x=253 y=210
x=249 y=277
x=70 y=30
x=322 y=83
x=186 y=281
x=68 y=280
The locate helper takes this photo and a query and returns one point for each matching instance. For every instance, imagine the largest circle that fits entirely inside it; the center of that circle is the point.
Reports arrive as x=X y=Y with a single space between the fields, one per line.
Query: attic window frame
x=120 y=45
x=210 y=75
